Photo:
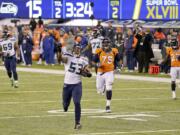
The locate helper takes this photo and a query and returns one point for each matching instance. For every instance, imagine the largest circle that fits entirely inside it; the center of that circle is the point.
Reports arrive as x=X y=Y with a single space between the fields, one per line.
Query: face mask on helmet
x=95 y=33
x=5 y=35
x=77 y=50
x=106 y=45
x=174 y=44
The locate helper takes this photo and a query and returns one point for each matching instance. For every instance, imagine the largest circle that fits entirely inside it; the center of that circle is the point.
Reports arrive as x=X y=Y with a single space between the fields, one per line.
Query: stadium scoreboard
x=85 y=9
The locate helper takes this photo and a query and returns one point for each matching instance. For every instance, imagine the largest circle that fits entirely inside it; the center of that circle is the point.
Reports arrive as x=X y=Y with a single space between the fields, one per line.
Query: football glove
x=119 y=67
x=85 y=73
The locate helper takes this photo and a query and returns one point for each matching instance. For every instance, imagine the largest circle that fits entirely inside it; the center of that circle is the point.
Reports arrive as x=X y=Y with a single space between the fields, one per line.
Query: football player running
x=105 y=59
x=174 y=54
x=75 y=67
x=95 y=41
x=8 y=48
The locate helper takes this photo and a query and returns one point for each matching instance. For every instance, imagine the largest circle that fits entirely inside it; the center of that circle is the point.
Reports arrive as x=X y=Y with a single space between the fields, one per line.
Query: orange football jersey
x=106 y=59
x=174 y=54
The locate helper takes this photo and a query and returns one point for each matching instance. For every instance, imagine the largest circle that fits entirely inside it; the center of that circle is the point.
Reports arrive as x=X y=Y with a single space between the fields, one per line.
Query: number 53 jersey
x=73 y=67
x=8 y=46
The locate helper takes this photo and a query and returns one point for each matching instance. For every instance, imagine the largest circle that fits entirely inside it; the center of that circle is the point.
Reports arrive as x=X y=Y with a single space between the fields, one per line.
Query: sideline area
x=118 y=76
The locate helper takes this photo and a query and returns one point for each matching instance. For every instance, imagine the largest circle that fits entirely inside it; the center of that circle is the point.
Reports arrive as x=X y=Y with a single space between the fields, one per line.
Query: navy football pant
x=73 y=91
x=10 y=65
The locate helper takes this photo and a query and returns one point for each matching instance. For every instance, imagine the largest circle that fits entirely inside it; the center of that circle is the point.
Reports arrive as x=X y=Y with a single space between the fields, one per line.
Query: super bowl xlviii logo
x=8 y=8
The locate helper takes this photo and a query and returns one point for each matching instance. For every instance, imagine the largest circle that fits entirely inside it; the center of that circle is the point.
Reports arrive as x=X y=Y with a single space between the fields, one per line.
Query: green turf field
x=141 y=108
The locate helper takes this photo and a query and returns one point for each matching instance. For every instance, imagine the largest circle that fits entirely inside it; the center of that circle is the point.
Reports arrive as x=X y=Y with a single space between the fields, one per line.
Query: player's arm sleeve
x=65 y=57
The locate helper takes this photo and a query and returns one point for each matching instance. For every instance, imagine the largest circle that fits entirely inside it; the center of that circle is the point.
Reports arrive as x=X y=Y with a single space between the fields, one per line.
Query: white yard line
x=127 y=99
x=85 y=112
x=134 y=119
x=131 y=132
x=30 y=102
x=93 y=113
x=89 y=90
x=35 y=70
x=102 y=111
x=21 y=92
x=124 y=77
x=87 y=100
x=33 y=83
x=30 y=116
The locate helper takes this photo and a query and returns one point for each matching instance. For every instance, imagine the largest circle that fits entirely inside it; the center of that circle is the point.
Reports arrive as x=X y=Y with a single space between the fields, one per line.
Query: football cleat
x=16 y=84
x=78 y=126
x=65 y=109
x=108 y=110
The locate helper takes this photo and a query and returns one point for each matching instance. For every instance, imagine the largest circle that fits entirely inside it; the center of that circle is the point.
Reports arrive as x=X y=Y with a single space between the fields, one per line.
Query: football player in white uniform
x=75 y=65
x=8 y=48
x=94 y=42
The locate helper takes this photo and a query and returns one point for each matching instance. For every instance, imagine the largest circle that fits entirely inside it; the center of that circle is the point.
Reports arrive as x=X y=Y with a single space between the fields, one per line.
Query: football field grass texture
x=35 y=108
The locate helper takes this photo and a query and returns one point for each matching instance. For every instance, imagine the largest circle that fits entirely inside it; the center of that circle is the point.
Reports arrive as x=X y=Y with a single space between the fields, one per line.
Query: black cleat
x=78 y=126
x=65 y=109
x=108 y=110
x=15 y=86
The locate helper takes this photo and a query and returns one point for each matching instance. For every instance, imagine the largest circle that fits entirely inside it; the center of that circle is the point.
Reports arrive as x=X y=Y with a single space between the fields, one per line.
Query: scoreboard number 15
x=34 y=8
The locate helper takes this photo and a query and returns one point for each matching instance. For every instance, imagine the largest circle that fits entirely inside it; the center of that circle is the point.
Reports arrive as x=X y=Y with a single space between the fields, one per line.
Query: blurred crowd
x=136 y=45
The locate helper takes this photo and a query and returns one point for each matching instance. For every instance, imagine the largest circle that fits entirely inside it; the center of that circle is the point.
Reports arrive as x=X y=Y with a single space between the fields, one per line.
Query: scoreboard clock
x=77 y=9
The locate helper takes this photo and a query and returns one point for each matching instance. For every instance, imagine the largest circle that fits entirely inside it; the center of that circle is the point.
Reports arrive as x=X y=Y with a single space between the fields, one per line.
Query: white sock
x=15 y=82
x=108 y=102
x=174 y=94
